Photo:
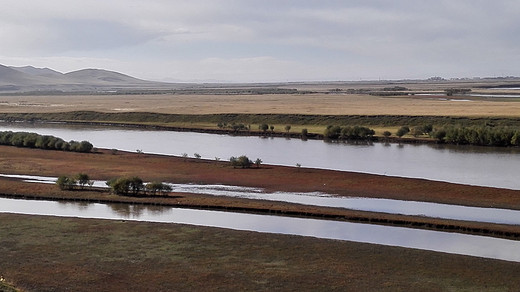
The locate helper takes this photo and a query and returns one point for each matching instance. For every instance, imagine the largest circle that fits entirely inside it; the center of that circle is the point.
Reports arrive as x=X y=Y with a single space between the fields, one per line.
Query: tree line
x=348 y=133
x=134 y=186
x=483 y=136
x=34 y=140
x=125 y=186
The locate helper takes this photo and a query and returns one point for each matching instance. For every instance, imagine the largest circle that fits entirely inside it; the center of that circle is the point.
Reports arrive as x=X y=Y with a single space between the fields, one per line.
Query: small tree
x=287 y=128
x=85 y=146
x=332 y=132
x=263 y=127
x=387 y=134
x=159 y=187
x=136 y=185
x=258 y=161
x=515 y=140
x=83 y=180
x=272 y=128
x=305 y=132
x=65 y=182
x=126 y=185
x=242 y=162
x=119 y=186
x=197 y=155
x=402 y=131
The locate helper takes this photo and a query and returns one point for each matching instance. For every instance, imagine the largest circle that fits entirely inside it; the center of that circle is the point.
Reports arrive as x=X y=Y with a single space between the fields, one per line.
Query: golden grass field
x=319 y=103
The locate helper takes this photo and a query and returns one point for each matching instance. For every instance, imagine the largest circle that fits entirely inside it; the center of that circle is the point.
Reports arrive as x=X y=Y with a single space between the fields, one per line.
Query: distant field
x=319 y=103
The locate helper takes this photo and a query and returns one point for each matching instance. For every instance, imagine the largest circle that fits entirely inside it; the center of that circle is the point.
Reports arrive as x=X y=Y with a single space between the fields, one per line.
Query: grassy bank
x=248 y=124
x=276 y=119
x=66 y=254
x=104 y=165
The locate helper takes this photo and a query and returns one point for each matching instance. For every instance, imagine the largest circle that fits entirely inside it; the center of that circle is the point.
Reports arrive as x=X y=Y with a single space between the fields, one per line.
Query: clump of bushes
x=80 y=180
x=348 y=133
x=242 y=162
x=133 y=186
x=484 y=136
x=34 y=140
x=126 y=186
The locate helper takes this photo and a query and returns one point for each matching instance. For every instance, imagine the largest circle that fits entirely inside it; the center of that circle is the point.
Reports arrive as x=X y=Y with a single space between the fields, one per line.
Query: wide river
x=483 y=166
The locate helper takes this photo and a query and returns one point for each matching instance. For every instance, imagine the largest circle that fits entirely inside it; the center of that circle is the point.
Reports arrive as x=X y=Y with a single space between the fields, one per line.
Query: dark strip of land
x=67 y=254
x=148 y=118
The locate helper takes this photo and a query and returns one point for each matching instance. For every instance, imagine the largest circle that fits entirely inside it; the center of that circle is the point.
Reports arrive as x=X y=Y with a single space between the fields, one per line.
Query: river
x=390 y=206
x=448 y=242
x=472 y=165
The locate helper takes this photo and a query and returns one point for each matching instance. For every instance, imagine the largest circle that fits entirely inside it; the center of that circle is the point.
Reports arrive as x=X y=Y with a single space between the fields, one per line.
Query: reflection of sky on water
x=455 y=243
x=458 y=164
x=491 y=215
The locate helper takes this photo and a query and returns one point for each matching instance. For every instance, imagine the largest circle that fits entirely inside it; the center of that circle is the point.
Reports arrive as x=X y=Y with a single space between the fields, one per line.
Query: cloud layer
x=232 y=40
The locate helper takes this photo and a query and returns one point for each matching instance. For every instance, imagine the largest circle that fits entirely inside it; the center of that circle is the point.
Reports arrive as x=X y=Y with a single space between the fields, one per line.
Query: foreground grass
x=67 y=254
x=4 y=287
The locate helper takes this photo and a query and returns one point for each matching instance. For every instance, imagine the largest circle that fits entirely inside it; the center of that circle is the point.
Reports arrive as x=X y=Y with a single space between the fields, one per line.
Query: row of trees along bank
x=34 y=140
x=348 y=133
x=485 y=135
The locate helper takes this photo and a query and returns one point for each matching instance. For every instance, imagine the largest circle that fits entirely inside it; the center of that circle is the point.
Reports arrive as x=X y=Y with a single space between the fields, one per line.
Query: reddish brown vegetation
x=103 y=166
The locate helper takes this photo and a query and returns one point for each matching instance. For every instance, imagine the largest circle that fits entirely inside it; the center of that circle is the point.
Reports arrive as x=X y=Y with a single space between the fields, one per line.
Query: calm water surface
x=435 y=210
x=454 y=243
x=483 y=166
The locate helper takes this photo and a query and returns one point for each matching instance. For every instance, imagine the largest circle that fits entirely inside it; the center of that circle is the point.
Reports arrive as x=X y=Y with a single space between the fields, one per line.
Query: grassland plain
x=302 y=104
x=68 y=254
x=57 y=254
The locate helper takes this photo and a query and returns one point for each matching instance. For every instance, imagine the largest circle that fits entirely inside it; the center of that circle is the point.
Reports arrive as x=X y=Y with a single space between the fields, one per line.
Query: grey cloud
x=378 y=37
x=85 y=35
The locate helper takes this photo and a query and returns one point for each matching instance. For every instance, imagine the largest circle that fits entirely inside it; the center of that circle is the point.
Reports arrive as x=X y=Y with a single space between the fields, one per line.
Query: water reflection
x=414 y=208
x=483 y=166
x=480 y=246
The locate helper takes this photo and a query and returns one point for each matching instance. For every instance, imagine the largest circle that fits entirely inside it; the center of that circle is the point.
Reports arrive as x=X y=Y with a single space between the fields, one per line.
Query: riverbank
x=70 y=254
x=105 y=165
x=302 y=126
x=45 y=253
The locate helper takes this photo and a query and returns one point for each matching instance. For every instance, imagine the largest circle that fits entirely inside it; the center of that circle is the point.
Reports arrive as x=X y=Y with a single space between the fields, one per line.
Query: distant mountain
x=29 y=78
x=103 y=76
x=38 y=71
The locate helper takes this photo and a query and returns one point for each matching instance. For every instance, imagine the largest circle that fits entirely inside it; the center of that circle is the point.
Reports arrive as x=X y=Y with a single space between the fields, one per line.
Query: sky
x=266 y=40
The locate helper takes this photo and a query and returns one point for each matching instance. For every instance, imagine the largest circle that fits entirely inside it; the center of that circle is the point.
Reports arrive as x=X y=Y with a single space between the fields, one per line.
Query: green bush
x=34 y=140
x=242 y=162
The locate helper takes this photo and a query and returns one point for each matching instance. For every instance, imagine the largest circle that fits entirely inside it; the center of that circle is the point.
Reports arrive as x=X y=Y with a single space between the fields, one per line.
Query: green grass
x=256 y=119
x=4 y=287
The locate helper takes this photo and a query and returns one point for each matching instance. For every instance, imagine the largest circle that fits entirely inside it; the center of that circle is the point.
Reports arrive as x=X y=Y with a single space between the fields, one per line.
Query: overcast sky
x=265 y=40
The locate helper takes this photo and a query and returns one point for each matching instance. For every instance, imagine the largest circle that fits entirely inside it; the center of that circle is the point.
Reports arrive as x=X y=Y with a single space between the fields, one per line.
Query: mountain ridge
x=28 y=78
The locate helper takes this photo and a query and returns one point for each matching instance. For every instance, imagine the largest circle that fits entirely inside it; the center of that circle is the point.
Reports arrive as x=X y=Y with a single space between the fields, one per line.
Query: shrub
x=242 y=162
x=159 y=187
x=66 y=183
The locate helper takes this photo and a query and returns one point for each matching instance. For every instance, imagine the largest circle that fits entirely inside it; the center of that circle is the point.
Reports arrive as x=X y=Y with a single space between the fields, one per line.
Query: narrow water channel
x=414 y=208
x=454 y=243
